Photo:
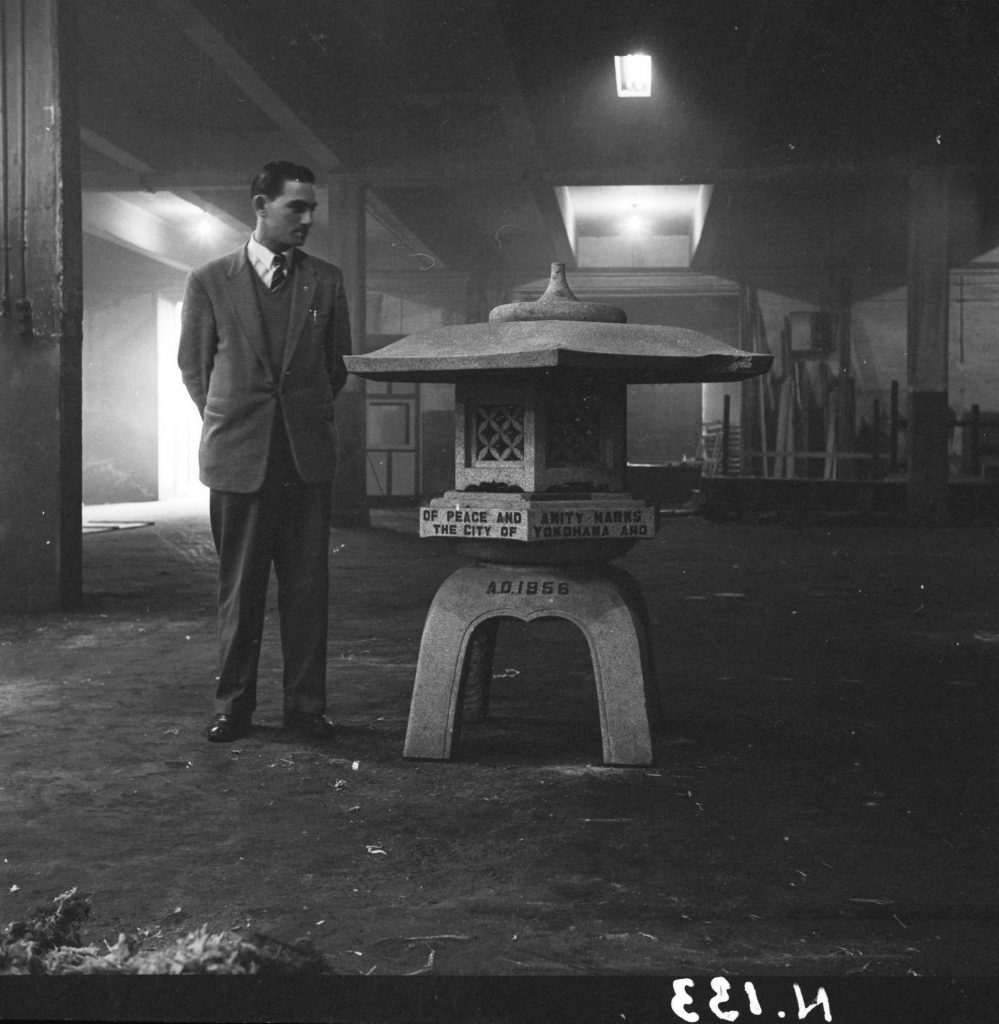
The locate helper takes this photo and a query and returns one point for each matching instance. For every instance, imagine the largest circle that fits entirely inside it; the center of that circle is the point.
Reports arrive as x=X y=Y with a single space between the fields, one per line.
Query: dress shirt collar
x=262 y=259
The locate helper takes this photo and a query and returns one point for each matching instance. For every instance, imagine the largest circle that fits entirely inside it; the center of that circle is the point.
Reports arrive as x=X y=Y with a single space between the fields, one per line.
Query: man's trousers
x=285 y=524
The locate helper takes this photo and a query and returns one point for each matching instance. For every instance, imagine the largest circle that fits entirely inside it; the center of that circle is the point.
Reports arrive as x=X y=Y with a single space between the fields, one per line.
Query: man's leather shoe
x=315 y=726
x=226 y=728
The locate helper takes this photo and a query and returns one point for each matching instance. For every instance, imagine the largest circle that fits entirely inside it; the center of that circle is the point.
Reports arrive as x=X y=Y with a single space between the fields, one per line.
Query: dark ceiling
x=462 y=116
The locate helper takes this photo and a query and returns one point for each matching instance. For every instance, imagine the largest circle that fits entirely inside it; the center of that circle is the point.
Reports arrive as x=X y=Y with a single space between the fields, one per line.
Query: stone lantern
x=539 y=500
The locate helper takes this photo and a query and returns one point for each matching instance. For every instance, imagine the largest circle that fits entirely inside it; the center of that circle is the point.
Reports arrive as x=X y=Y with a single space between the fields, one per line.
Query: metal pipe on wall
x=4 y=187
x=22 y=304
x=23 y=151
x=13 y=166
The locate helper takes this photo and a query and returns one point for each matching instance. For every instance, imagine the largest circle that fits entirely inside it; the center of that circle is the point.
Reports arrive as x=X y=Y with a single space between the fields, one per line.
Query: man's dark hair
x=271 y=178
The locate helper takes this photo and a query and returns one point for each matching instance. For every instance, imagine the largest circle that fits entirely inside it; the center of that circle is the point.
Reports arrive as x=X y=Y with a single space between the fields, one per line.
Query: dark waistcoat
x=275 y=312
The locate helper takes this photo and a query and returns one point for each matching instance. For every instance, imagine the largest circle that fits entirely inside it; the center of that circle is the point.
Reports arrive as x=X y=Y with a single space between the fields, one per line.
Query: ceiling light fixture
x=634 y=74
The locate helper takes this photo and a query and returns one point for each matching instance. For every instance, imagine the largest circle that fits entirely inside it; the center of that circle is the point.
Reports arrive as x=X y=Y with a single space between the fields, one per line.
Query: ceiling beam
x=193 y=192
x=390 y=222
x=109 y=216
x=447 y=101
x=516 y=116
x=520 y=129
x=243 y=226
x=444 y=176
x=145 y=173
x=203 y=35
x=486 y=174
x=555 y=227
x=770 y=38
x=99 y=144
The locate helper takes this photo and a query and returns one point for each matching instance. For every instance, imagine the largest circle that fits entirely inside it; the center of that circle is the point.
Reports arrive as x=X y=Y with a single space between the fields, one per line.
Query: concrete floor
x=822 y=803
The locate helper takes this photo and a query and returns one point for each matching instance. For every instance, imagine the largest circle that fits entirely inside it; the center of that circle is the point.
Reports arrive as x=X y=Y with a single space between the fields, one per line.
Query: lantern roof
x=559 y=334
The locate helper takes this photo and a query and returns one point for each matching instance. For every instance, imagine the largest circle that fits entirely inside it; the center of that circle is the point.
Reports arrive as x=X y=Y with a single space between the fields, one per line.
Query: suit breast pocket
x=318 y=319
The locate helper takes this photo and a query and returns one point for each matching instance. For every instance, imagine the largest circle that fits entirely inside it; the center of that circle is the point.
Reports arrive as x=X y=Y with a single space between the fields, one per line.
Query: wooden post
x=751 y=412
x=975 y=461
x=726 y=427
x=893 y=436
x=928 y=300
x=346 y=214
x=845 y=411
x=41 y=318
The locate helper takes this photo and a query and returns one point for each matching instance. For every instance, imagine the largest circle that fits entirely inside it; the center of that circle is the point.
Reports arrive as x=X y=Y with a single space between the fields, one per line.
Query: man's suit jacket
x=225 y=365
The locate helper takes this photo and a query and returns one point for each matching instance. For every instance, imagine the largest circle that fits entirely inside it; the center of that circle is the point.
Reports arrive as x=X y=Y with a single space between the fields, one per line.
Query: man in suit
x=263 y=334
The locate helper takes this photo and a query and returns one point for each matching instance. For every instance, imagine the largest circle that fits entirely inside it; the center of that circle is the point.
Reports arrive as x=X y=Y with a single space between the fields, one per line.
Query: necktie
x=279 y=271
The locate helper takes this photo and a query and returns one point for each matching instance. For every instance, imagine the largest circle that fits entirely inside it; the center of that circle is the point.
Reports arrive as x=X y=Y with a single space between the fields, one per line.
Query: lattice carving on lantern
x=499 y=433
x=573 y=429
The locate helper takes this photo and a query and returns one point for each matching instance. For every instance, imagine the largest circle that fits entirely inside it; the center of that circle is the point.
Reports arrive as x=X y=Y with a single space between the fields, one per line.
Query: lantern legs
x=454 y=669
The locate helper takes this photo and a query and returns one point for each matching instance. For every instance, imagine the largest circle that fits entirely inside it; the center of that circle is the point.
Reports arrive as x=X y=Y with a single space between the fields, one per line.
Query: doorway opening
x=178 y=422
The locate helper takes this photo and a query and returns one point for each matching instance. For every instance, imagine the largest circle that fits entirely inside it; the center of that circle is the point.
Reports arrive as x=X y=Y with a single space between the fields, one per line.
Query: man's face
x=284 y=221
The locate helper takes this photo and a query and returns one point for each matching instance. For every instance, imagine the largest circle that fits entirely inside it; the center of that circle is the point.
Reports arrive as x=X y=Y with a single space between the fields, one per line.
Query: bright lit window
x=634 y=74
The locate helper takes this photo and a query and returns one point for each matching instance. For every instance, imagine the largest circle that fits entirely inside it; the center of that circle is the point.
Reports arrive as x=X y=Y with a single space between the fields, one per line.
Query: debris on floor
x=49 y=942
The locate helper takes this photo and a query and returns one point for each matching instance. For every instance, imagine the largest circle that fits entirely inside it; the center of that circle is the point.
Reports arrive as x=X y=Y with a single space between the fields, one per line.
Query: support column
x=41 y=302
x=346 y=215
x=749 y=390
x=845 y=394
x=928 y=299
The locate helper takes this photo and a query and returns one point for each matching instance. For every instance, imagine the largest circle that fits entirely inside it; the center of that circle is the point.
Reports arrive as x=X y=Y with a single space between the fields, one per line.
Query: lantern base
x=456 y=652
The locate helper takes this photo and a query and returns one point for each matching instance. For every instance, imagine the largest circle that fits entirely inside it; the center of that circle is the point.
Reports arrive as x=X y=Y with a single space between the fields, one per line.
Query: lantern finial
x=558 y=303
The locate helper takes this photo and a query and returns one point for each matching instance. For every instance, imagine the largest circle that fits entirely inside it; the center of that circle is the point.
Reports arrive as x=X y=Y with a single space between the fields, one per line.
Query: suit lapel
x=244 y=303
x=303 y=281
